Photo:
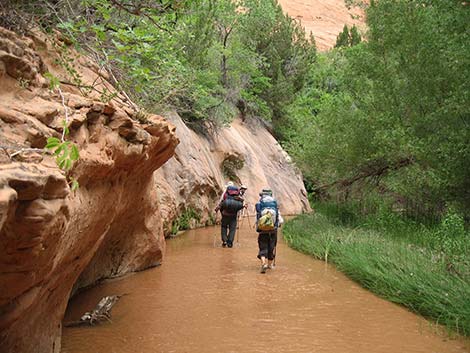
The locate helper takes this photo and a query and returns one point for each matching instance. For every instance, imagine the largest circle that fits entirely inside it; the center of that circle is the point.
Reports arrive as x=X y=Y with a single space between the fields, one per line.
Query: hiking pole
x=252 y=226
x=246 y=214
x=239 y=225
x=243 y=218
x=215 y=234
x=238 y=229
x=275 y=254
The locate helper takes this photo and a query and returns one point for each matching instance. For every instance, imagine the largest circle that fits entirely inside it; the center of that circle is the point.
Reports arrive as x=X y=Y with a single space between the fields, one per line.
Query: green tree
x=396 y=119
x=354 y=36
x=343 y=38
x=348 y=37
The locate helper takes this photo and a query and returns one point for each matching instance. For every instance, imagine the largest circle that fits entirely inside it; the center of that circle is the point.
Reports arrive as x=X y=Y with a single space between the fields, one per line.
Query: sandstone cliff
x=324 y=18
x=54 y=240
x=244 y=152
x=49 y=236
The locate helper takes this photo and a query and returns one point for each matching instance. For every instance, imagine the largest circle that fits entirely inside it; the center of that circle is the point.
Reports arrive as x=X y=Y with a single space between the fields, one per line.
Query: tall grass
x=425 y=268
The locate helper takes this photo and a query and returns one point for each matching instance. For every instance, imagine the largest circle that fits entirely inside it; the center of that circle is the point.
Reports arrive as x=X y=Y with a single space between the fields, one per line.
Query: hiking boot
x=271 y=266
x=224 y=244
x=229 y=245
x=263 y=268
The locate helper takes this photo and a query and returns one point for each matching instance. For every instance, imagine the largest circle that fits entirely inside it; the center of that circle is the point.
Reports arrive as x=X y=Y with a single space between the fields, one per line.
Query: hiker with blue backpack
x=268 y=220
x=230 y=204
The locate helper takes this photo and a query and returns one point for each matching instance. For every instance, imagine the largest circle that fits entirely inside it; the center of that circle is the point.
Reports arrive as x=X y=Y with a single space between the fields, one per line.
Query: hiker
x=230 y=185
x=230 y=204
x=267 y=222
x=243 y=189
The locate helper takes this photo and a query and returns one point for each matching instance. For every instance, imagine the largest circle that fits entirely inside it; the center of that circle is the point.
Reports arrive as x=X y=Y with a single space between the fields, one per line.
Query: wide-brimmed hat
x=266 y=191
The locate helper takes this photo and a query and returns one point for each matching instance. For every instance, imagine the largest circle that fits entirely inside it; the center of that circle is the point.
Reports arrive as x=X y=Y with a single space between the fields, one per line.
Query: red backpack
x=232 y=191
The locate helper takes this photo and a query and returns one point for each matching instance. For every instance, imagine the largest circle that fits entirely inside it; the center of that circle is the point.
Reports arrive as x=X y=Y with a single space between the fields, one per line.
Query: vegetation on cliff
x=387 y=116
x=210 y=60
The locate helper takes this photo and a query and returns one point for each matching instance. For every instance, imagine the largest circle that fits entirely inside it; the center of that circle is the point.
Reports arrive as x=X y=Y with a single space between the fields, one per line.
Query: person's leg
x=263 y=243
x=272 y=248
x=232 y=229
x=223 y=229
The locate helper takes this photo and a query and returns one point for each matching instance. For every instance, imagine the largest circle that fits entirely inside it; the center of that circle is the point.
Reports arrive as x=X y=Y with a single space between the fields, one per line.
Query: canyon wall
x=52 y=238
x=324 y=18
x=244 y=152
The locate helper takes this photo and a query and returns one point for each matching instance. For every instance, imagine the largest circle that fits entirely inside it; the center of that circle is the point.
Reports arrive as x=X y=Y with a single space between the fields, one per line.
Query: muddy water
x=212 y=299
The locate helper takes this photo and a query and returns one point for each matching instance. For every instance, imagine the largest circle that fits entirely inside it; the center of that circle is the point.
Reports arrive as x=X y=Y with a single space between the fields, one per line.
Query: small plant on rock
x=65 y=152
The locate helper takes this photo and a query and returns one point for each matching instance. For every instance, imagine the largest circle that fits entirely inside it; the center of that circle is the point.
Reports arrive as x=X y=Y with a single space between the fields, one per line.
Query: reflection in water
x=206 y=299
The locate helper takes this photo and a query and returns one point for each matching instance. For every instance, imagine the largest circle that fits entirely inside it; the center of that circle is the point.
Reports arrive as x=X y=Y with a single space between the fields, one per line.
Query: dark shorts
x=267 y=245
x=228 y=228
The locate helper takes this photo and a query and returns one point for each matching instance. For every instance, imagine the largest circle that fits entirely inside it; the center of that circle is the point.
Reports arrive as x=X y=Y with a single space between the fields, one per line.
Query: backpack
x=266 y=222
x=268 y=215
x=230 y=206
x=231 y=191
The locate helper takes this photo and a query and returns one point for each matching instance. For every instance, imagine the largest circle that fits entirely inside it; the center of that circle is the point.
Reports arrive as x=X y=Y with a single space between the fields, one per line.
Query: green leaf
x=74 y=153
x=60 y=149
x=62 y=164
x=53 y=81
x=52 y=142
x=75 y=185
x=65 y=127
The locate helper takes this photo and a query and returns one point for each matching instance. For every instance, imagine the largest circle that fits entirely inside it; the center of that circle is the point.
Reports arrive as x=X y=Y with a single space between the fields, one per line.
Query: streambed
x=213 y=299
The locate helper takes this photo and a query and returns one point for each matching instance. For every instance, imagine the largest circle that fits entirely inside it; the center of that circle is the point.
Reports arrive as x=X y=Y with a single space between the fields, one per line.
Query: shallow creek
x=212 y=299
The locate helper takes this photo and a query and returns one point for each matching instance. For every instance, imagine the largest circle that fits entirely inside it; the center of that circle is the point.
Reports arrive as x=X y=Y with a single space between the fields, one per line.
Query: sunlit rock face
x=52 y=238
x=323 y=18
x=244 y=152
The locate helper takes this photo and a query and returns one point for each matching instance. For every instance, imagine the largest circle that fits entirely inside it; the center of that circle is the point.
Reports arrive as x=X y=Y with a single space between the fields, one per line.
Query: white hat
x=230 y=183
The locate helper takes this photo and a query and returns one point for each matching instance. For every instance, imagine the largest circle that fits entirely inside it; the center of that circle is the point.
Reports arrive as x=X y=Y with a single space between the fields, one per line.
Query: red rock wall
x=194 y=177
x=52 y=239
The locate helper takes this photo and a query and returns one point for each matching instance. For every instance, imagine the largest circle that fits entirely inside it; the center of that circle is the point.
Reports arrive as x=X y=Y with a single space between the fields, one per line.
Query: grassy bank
x=426 y=269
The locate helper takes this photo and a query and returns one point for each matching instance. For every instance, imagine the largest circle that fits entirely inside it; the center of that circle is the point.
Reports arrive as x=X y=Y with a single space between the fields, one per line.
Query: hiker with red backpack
x=268 y=220
x=229 y=206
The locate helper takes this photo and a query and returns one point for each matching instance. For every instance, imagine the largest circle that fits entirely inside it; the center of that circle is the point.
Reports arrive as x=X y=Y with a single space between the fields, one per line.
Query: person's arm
x=258 y=210
x=219 y=205
x=279 y=219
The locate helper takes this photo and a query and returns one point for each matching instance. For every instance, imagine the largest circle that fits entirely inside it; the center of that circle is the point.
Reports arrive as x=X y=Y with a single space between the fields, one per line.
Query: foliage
x=65 y=152
x=451 y=236
x=348 y=37
x=286 y=55
x=343 y=38
x=387 y=116
x=230 y=166
x=183 y=222
x=402 y=266
x=391 y=113
x=210 y=60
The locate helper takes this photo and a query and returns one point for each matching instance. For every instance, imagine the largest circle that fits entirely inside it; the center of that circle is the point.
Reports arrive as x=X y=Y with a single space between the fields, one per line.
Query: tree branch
x=376 y=171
